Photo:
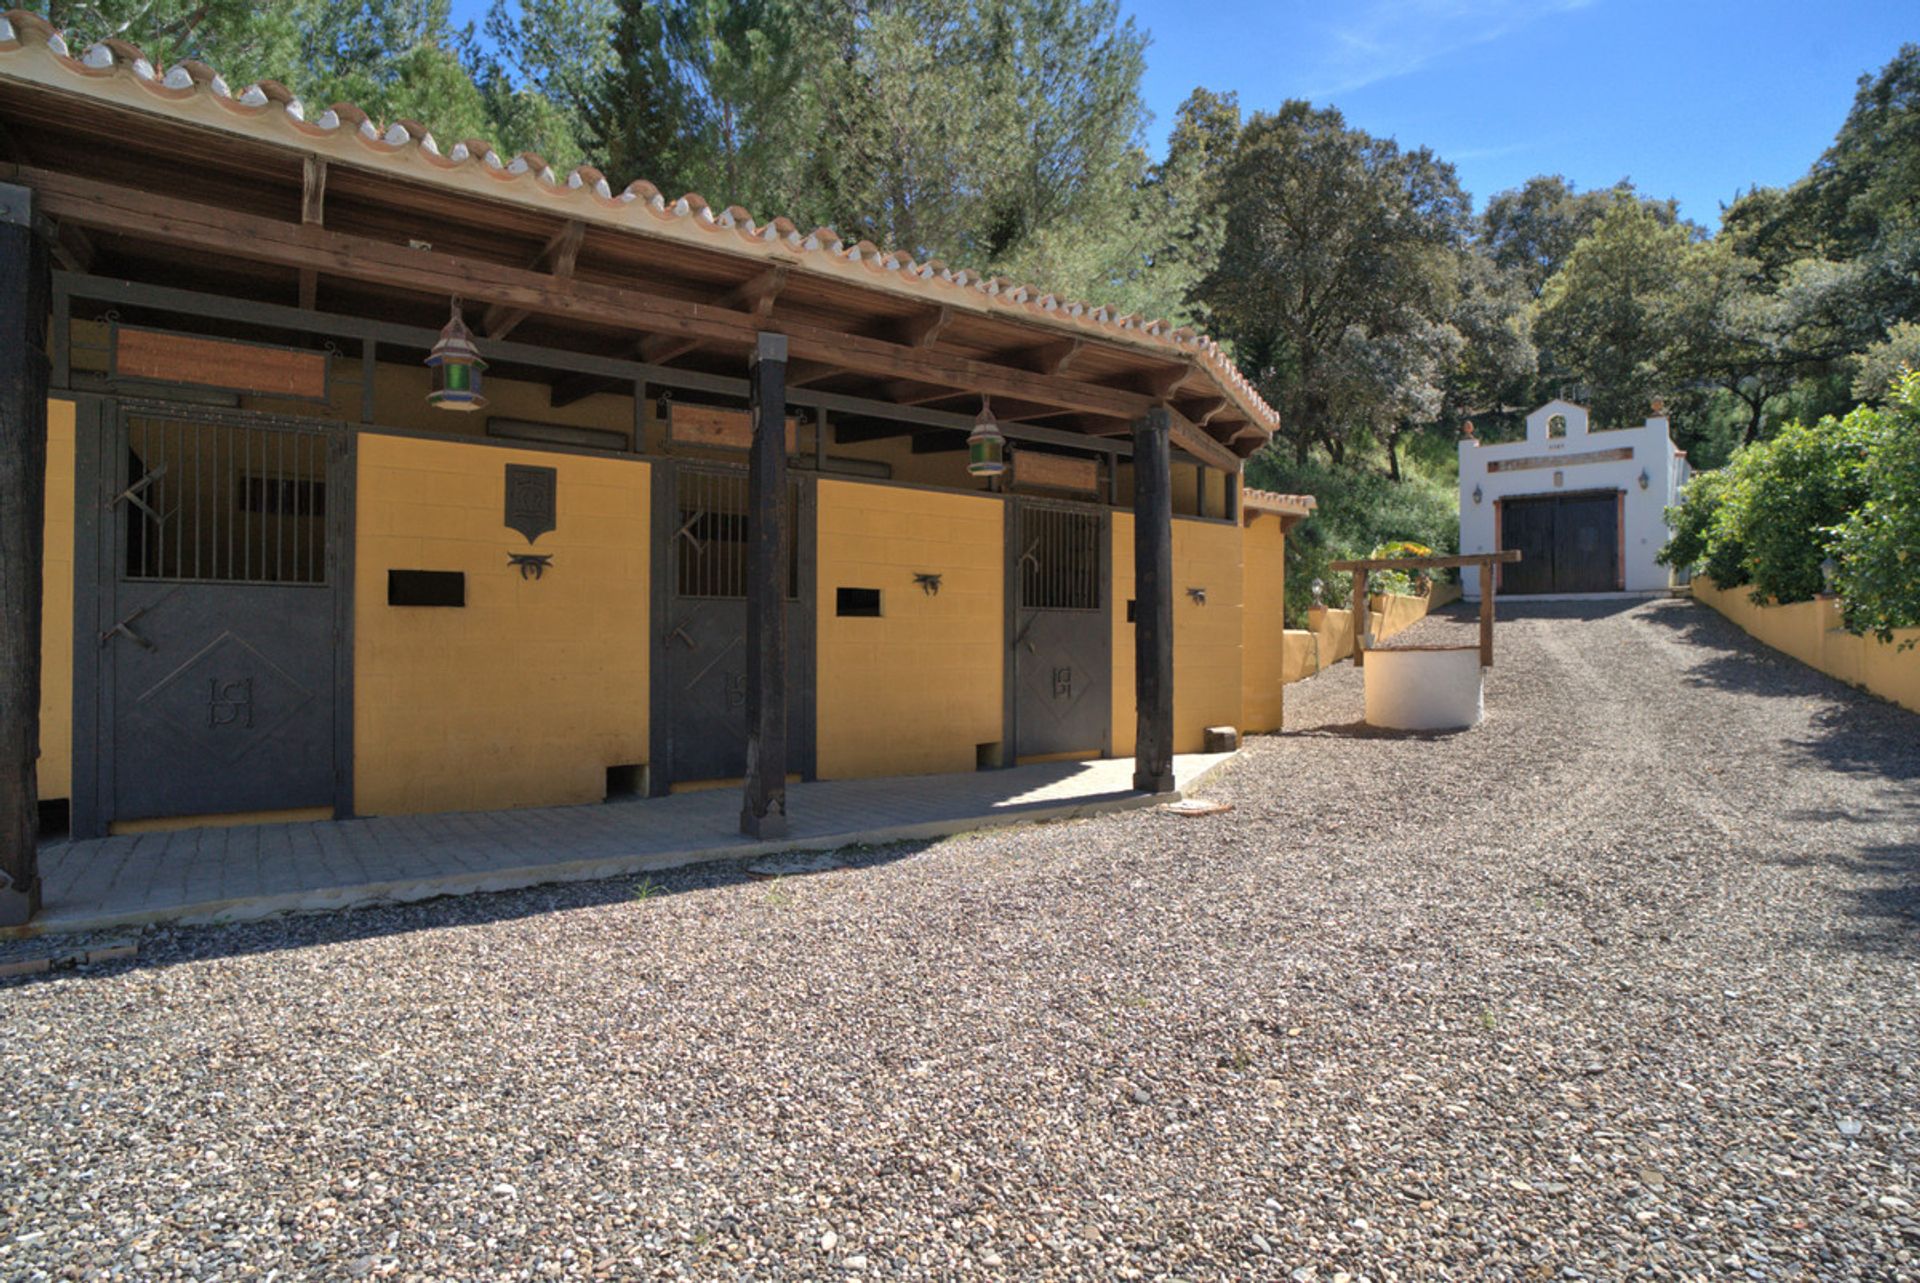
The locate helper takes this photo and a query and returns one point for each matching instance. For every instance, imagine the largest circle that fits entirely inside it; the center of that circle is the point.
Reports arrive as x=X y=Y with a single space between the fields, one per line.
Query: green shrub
x=1842 y=489
x=1404 y=583
x=1358 y=510
x=1877 y=546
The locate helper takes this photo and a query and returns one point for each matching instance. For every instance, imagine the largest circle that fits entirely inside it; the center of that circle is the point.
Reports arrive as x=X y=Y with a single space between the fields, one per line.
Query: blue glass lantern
x=456 y=365
x=986 y=448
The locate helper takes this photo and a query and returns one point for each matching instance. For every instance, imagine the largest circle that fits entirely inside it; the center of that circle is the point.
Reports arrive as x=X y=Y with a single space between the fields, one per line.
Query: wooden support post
x=1359 y=619
x=1487 y=574
x=1153 y=603
x=764 y=811
x=25 y=291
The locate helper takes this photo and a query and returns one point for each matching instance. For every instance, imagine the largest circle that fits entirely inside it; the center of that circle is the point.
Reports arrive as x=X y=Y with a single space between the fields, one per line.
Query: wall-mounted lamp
x=929 y=583
x=1645 y=480
x=1827 y=571
x=1477 y=496
x=1319 y=588
x=1199 y=596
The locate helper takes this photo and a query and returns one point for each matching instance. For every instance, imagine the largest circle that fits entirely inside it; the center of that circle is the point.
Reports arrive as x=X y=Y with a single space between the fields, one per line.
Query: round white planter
x=1424 y=690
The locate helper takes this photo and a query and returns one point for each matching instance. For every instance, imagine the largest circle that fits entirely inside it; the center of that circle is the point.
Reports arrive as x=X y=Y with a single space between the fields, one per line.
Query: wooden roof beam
x=221 y=231
x=923 y=330
x=756 y=296
x=313 y=211
x=557 y=258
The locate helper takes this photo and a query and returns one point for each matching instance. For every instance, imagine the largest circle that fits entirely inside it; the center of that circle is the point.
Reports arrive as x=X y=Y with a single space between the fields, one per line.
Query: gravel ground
x=1622 y=984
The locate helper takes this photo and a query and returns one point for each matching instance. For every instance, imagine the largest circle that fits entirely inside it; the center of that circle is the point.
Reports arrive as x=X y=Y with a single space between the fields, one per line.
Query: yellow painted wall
x=1126 y=725
x=56 y=610
x=1811 y=632
x=1263 y=623
x=1207 y=639
x=917 y=689
x=528 y=694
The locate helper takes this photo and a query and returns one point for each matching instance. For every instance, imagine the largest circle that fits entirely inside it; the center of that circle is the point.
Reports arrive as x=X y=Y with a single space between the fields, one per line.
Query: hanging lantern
x=986 y=448
x=456 y=367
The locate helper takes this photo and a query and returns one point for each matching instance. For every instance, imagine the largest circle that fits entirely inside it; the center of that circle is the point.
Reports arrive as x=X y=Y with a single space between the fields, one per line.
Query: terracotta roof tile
x=27 y=38
x=1286 y=505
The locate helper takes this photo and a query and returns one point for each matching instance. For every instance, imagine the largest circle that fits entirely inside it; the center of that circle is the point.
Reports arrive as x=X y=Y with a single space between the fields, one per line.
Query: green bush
x=1877 y=546
x=1404 y=583
x=1841 y=489
x=1358 y=510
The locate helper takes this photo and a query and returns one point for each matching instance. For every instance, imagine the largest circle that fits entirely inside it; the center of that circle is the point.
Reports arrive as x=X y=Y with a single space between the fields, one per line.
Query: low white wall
x=1424 y=690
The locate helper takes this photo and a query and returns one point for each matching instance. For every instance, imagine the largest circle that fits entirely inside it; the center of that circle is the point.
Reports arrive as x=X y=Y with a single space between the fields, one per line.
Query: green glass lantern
x=456 y=365
x=986 y=448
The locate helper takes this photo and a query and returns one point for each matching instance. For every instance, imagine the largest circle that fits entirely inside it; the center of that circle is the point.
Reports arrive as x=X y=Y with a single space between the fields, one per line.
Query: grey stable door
x=700 y=533
x=217 y=647
x=1062 y=641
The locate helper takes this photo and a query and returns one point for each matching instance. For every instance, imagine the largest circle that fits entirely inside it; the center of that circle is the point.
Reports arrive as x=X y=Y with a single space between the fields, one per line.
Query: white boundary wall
x=1551 y=462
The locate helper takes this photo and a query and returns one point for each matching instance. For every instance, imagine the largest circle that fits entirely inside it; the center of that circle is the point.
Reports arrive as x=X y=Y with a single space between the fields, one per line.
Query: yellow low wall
x=1329 y=637
x=1810 y=631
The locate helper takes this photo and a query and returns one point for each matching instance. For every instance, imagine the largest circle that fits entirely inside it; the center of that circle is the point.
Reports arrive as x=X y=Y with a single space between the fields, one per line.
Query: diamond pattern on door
x=224 y=702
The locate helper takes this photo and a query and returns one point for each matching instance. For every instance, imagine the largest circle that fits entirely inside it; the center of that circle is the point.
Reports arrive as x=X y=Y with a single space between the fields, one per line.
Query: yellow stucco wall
x=1207 y=639
x=1263 y=623
x=1125 y=726
x=56 y=610
x=1811 y=632
x=917 y=689
x=528 y=694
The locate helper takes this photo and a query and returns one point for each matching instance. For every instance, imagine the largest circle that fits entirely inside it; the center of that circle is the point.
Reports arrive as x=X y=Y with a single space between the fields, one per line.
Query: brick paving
x=231 y=874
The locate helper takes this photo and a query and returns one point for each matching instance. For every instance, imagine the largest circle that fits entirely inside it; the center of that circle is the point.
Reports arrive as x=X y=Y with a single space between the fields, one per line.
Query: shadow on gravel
x=1854 y=733
x=1364 y=731
x=170 y=945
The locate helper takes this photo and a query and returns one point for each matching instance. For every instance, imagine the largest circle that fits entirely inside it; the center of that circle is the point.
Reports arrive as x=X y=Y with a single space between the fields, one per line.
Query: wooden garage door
x=1567 y=543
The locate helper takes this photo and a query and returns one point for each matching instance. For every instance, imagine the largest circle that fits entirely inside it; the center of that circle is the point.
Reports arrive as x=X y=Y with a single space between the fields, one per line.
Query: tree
x=1340 y=268
x=1614 y=318
x=1532 y=229
x=1880 y=368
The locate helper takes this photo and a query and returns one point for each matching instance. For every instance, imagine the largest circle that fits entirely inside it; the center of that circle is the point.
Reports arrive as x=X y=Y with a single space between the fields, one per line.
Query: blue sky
x=1697 y=99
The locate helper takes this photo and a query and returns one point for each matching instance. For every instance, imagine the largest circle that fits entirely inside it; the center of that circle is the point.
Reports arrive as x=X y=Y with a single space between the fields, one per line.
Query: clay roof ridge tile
x=182 y=79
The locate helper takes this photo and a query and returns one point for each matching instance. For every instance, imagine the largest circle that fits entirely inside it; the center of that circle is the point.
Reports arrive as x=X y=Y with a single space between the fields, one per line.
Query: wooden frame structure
x=1362 y=567
x=163 y=197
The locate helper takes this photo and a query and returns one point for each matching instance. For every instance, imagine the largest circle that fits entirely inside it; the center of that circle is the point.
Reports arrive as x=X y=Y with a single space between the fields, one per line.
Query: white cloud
x=1376 y=40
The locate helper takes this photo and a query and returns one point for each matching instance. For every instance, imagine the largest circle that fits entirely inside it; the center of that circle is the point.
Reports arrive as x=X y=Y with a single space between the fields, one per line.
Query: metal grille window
x=710 y=541
x=224 y=502
x=1059 y=559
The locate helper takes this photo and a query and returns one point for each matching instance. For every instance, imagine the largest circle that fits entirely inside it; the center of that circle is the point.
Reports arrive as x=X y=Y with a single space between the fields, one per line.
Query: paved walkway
x=233 y=874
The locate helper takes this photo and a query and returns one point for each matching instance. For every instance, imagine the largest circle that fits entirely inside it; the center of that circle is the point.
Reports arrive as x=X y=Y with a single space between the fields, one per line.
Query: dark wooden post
x=24 y=294
x=1153 y=603
x=764 y=812
x=1486 y=612
x=1359 y=619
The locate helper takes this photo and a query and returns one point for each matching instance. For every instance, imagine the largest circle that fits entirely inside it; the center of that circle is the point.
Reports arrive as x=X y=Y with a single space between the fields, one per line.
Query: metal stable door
x=702 y=652
x=1062 y=640
x=217 y=656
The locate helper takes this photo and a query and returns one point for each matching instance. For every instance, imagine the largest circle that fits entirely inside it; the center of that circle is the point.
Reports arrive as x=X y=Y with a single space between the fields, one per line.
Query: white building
x=1586 y=509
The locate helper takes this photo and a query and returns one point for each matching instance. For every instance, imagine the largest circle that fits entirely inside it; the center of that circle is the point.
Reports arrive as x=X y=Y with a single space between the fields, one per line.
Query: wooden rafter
x=313 y=213
x=755 y=297
x=214 y=230
x=925 y=329
x=557 y=258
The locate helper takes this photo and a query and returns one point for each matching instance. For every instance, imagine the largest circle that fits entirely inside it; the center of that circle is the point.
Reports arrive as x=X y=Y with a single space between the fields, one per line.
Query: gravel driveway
x=1622 y=984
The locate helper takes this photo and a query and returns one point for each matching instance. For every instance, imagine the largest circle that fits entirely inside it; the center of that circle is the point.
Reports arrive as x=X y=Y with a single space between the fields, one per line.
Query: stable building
x=1585 y=508
x=355 y=472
